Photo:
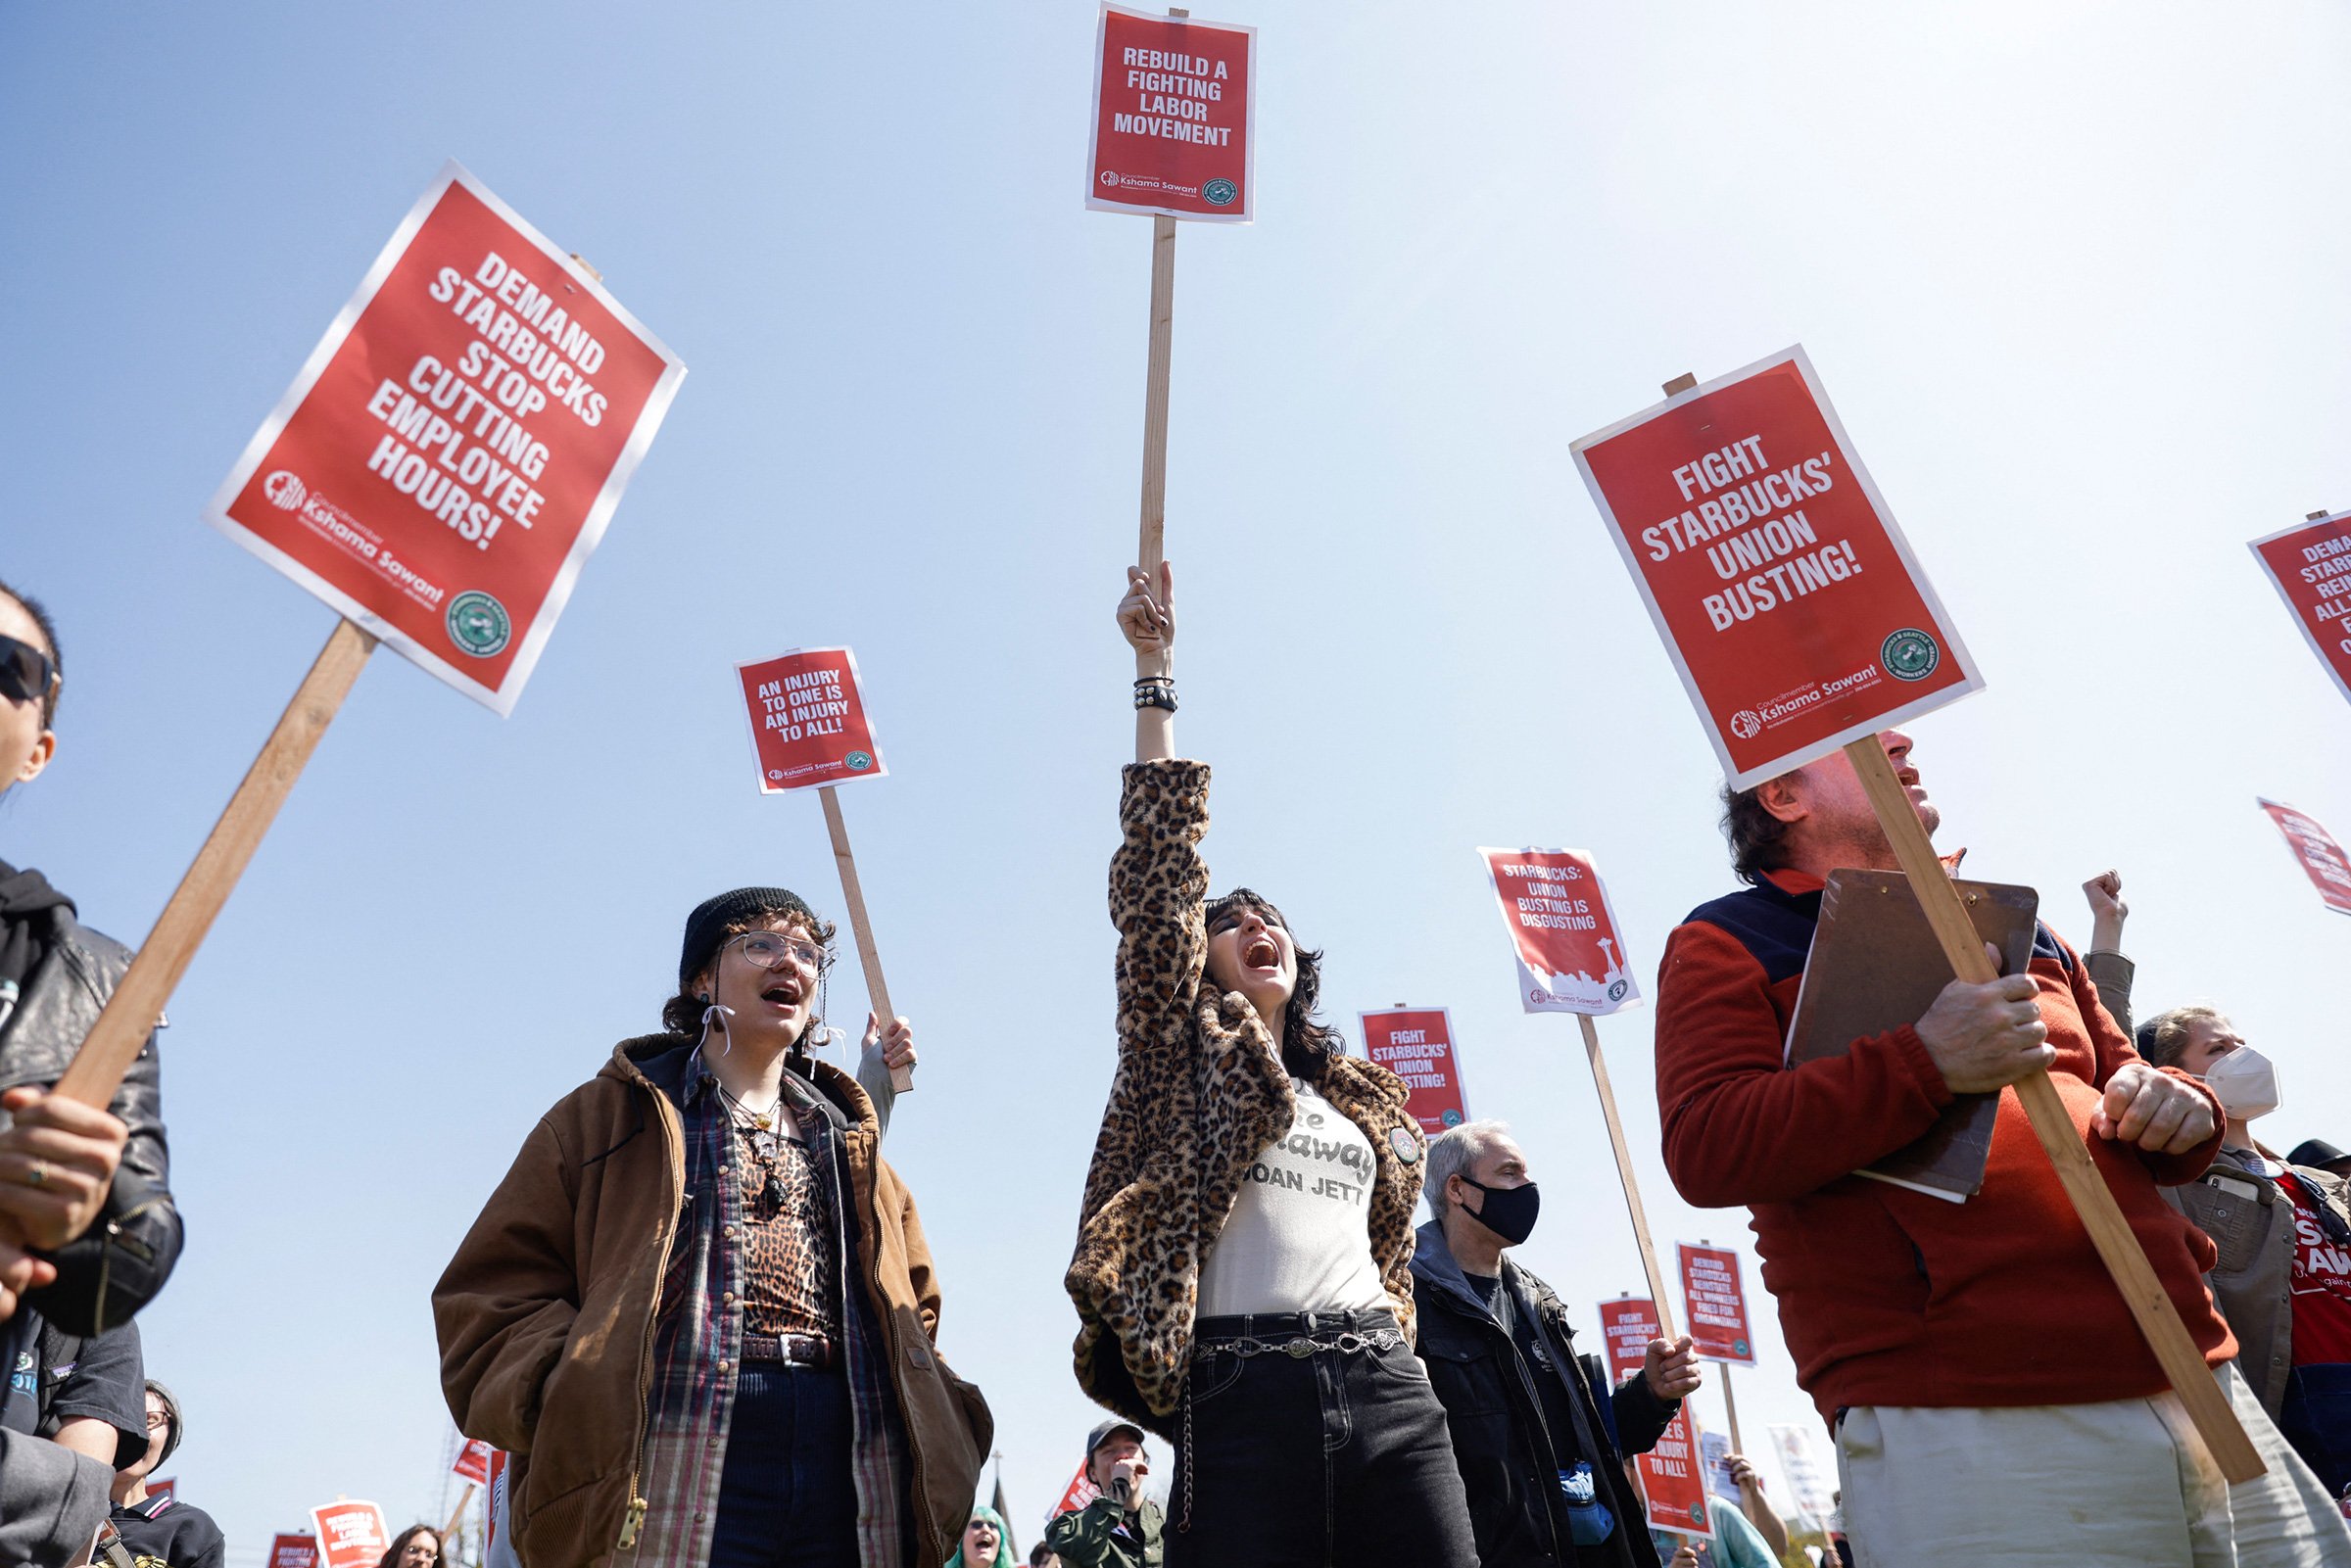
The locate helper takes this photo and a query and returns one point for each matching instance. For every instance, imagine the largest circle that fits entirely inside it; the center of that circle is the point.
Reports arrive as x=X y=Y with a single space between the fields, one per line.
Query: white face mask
x=2246 y=1083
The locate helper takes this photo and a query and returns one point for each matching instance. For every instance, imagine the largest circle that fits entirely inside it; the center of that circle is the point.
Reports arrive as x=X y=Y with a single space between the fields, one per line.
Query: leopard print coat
x=1199 y=1094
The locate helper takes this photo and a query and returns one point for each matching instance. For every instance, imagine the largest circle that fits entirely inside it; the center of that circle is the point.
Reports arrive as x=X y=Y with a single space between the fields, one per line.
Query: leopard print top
x=1200 y=1090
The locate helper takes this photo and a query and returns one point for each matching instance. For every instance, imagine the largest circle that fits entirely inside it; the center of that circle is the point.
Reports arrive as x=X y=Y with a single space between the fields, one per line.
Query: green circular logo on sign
x=1220 y=192
x=1910 y=654
x=478 y=624
x=858 y=761
x=1742 y=1350
x=1616 y=991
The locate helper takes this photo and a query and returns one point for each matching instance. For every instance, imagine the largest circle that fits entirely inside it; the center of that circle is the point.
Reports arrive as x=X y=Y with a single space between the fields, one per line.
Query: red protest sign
x=1563 y=929
x=808 y=722
x=1416 y=1045
x=473 y=1462
x=1714 y=1304
x=351 y=1535
x=1080 y=1491
x=293 y=1551
x=1175 y=118
x=1673 y=1478
x=453 y=446
x=2311 y=566
x=1786 y=597
x=2321 y=857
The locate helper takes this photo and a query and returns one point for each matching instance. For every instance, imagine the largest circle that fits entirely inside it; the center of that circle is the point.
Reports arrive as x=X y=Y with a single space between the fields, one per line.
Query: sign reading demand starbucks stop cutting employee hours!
x=456 y=444
x=1773 y=569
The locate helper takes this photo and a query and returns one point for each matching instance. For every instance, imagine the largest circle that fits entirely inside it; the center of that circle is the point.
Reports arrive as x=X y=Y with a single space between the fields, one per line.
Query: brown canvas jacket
x=546 y=1313
x=1200 y=1091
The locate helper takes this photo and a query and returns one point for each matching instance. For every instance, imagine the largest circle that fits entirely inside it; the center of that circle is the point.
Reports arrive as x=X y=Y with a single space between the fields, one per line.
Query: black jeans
x=1329 y=1460
x=785 y=1498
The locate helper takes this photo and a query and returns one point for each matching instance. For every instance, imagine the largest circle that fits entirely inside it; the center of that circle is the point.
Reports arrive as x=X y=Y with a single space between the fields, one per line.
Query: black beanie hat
x=172 y=1410
x=708 y=925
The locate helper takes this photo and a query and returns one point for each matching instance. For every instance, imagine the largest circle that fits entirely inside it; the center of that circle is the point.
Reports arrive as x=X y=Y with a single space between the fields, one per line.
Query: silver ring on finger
x=37 y=1174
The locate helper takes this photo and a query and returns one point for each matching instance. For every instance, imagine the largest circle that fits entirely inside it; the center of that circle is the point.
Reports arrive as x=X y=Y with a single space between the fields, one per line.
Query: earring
x=701 y=996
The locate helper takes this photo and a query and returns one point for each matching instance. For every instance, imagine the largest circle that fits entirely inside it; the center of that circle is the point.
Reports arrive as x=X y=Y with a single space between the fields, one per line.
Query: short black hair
x=48 y=624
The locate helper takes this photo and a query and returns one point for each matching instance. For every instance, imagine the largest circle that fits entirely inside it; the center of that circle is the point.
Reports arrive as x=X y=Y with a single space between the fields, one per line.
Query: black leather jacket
x=1508 y=1459
x=124 y=1260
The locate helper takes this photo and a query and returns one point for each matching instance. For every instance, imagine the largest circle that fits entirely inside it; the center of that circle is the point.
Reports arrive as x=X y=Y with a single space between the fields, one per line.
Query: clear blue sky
x=2071 y=271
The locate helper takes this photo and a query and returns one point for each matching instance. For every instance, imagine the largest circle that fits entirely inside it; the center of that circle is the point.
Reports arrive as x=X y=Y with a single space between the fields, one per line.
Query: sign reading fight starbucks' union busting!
x=1786 y=594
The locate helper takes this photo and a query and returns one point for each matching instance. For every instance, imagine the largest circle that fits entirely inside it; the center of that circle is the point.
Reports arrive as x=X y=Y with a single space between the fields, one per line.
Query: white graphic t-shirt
x=1299 y=1238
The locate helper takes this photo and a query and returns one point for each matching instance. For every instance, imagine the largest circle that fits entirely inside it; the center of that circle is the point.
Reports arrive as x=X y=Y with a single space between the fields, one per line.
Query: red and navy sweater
x=1889 y=1296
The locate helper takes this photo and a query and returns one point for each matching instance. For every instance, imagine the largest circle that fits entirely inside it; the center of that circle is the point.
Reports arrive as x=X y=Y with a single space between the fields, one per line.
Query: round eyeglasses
x=773 y=950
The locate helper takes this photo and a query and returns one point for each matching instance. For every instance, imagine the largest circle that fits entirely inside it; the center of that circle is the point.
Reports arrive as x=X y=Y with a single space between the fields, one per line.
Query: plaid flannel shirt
x=699 y=1349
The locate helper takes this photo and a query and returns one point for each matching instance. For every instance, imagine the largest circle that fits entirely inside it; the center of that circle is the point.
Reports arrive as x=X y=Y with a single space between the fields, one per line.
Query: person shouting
x=982 y=1544
x=699 y=1310
x=1242 y=1273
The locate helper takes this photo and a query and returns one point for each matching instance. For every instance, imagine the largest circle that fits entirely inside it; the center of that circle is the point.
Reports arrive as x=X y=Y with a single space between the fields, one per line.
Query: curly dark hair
x=400 y=1543
x=1758 y=840
x=1306 y=1040
x=682 y=1014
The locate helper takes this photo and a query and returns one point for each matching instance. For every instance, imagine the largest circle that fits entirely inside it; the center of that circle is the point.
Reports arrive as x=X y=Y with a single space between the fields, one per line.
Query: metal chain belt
x=1300 y=1347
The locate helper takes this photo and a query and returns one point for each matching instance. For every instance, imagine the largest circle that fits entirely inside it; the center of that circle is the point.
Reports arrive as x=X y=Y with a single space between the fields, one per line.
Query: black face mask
x=1510 y=1211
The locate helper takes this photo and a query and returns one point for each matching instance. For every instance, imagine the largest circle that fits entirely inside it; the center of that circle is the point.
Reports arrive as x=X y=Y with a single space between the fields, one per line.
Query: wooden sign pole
x=129 y=1017
x=456 y=1518
x=1152 y=545
x=1624 y=1176
x=900 y=1078
x=1730 y=1407
x=1155 y=397
x=2100 y=1215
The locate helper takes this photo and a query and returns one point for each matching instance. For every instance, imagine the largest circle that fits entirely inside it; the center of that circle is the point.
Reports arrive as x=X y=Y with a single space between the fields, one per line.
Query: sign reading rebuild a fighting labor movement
x=1570 y=959
x=1174 y=117
x=1785 y=595
x=1673 y=1478
x=351 y=1535
x=452 y=448
x=2321 y=857
x=2311 y=564
x=1715 y=1300
x=1416 y=1045
x=808 y=722
x=293 y=1551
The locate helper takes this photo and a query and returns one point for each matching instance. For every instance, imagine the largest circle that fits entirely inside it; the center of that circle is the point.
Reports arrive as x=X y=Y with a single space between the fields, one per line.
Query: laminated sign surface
x=1174 y=128
x=2311 y=566
x=456 y=444
x=1772 y=568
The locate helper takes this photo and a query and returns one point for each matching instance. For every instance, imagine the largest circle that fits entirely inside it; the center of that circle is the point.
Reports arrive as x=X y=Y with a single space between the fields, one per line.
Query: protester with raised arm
x=64 y=1167
x=1541 y=1461
x=699 y=1312
x=1243 y=1267
x=1992 y=1397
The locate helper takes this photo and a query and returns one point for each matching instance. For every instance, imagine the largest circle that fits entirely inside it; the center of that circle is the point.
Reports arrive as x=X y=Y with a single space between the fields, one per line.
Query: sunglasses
x=26 y=673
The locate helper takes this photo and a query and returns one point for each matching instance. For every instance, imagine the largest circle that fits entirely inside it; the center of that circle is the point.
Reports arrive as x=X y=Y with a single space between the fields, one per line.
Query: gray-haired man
x=1520 y=1402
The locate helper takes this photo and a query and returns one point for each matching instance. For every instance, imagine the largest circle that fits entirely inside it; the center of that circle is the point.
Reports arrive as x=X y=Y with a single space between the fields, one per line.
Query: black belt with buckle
x=792 y=1349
